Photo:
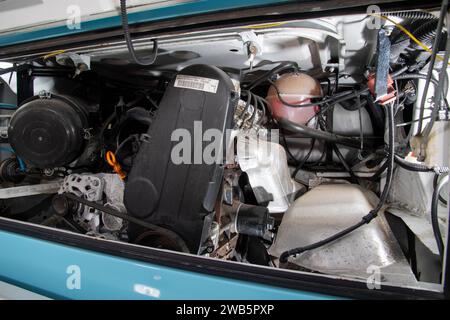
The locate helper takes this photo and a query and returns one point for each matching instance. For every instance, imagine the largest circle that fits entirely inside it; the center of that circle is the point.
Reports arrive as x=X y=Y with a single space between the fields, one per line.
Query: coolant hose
x=318 y=134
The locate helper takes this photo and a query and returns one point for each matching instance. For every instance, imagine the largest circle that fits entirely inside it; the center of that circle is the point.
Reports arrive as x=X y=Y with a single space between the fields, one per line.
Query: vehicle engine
x=314 y=145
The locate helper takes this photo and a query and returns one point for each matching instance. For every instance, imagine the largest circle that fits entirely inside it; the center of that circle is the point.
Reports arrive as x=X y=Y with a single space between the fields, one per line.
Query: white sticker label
x=196 y=83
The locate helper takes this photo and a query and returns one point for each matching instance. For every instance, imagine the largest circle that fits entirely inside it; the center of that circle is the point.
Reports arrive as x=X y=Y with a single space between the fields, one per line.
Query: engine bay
x=316 y=146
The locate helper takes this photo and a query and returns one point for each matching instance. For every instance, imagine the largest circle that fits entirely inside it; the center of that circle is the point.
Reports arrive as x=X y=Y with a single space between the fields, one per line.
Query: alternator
x=92 y=187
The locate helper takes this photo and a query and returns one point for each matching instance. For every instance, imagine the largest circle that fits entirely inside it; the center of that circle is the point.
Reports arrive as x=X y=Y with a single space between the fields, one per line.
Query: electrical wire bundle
x=258 y=103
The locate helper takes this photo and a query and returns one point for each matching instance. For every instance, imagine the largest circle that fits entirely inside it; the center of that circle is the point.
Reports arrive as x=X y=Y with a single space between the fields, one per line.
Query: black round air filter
x=48 y=132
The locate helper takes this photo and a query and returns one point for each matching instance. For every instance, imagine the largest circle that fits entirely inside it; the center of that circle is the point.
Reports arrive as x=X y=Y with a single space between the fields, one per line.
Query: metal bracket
x=253 y=44
x=44 y=94
x=382 y=88
x=30 y=190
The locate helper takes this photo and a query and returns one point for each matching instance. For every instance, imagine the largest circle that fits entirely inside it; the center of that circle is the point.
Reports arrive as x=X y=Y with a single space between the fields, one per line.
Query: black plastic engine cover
x=179 y=196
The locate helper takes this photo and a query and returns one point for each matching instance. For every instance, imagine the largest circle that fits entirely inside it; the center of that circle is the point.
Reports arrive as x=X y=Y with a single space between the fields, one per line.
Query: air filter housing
x=48 y=131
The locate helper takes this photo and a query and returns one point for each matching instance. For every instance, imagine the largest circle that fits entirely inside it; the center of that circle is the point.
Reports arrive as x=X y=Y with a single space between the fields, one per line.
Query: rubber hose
x=318 y=134
x=417 y=167
x=434 y=215
x=435 y=184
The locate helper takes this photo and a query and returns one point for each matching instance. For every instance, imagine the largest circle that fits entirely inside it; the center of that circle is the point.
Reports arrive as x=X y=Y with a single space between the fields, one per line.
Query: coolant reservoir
x=294 y=88
x=266 y=165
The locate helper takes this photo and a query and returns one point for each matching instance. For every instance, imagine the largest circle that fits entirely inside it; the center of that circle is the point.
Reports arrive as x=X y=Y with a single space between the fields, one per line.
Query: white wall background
x=20 y=14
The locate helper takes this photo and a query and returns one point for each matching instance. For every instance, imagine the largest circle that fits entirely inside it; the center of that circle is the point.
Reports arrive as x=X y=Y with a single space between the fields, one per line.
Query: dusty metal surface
x=328 y=209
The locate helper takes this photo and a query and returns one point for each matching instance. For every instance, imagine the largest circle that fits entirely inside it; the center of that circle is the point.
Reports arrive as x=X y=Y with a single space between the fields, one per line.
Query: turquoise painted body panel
x=52 y=269
x=173 y=11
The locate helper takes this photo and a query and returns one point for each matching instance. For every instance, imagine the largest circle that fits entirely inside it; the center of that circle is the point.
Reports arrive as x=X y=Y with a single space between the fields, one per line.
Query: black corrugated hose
x=421 y=23
x=126 y=31
x=413 y=15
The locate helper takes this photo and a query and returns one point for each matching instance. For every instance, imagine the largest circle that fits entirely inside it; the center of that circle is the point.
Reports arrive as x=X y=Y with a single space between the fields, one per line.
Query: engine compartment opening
x=317 y=145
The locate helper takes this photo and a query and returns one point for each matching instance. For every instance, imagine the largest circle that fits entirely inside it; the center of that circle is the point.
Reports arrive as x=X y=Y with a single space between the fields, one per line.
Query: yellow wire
x=54 y=53
x=409 y=34
x=264 y=25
